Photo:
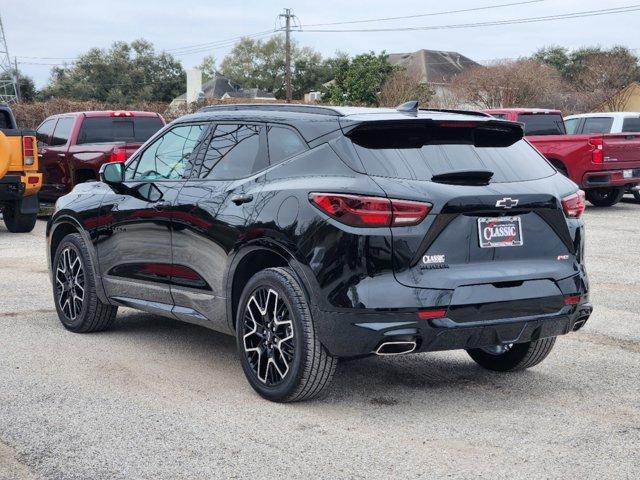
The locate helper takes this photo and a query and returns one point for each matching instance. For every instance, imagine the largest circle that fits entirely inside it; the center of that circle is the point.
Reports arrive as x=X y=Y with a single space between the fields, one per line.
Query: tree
x=257 y=63
x=358 y=80
x=519 y=83
x=208 y=68
x=401 y=87
x=124 y=73
x=26 y=85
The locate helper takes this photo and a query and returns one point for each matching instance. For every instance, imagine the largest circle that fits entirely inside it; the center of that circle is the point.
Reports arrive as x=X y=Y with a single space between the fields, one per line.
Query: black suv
x=316 y=233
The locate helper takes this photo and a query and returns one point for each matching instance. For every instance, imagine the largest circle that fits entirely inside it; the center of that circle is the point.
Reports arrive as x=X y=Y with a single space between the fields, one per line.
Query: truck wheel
x=17 y=222
x=604 y=197
x=279 y=350
x=74 y=289
x=636 y=195
x=509 y=358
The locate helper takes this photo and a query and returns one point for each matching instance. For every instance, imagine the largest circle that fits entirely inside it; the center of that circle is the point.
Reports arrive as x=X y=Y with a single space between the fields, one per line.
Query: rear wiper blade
x=464 y=177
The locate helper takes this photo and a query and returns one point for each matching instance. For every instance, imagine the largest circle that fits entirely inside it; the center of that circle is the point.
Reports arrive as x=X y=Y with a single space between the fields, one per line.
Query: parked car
x=604 y=165
x=73 y=146
x=605 y=122
x=316 y=233
x=19 y=177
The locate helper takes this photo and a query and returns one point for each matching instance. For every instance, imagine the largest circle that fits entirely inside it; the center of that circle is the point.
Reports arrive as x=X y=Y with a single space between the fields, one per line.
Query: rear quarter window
x=597 y=125
x=631 y=125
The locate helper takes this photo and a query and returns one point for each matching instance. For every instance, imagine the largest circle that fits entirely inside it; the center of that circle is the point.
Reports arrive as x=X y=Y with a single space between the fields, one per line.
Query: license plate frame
x=508 y=239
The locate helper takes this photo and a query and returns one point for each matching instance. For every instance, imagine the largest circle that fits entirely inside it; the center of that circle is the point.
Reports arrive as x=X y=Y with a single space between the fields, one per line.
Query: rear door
x=54 y=161
x=507 y=229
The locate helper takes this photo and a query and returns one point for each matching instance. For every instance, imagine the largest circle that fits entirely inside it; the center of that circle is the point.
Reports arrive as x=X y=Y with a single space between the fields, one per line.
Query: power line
x=475 y=9
x=564 y=16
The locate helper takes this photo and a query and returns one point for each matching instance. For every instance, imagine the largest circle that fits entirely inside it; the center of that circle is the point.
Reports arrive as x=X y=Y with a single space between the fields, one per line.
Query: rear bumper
x=16 y=186
x=611 y=178
x=348 y=335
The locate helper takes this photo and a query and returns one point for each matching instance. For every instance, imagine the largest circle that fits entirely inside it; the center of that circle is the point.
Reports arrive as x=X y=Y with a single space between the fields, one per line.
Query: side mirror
x=112 y=173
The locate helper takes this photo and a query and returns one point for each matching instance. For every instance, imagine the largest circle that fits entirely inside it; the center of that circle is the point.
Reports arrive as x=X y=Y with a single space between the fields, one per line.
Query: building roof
x=433 y=66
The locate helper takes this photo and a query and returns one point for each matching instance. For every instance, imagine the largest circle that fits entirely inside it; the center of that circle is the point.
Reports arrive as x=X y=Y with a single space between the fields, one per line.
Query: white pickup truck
x=604 y=122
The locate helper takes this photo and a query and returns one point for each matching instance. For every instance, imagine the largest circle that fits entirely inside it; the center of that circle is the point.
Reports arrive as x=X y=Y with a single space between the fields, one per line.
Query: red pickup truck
x=73 y=146
x=604 y=165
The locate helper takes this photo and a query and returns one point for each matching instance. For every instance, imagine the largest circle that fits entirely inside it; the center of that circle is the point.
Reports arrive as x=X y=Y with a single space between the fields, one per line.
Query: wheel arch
x=559 y=165
x=58 y=228
x=253 y=258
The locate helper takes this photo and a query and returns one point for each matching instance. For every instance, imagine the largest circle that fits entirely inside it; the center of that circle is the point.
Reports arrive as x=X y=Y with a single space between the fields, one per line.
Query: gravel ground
x=154 y=398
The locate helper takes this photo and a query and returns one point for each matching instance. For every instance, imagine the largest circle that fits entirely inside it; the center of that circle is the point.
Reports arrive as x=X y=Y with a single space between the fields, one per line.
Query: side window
x=62 y=131
x=234 y=151
x=597 y=125
x=631 y=125
x=166 y=157
x=572 y=125
x=284 y=143
x=43 y=134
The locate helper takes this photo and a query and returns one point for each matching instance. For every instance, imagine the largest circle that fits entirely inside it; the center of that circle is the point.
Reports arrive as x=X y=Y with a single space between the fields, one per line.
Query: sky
x=50 y=31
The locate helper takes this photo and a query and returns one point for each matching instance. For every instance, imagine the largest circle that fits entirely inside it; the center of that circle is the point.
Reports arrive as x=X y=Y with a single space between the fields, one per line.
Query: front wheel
x=17 y=222
x=279 y=350
x=604 y=197
x=509 y=358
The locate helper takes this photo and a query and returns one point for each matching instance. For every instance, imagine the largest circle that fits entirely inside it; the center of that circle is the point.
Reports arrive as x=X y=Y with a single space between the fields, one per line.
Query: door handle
x=242 y=198
x=161 y=205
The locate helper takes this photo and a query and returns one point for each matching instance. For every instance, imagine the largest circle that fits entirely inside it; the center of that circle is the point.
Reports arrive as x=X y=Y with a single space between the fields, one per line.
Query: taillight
x=431 y=314
x=28 y=149
x=574 y=205
x=122 y=114
x=596 y=144
x=572 y=299
x=118 y=155
x=363 y=211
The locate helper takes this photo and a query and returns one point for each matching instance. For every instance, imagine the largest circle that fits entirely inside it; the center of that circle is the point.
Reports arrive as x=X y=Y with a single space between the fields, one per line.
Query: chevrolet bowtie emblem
x=507 y=202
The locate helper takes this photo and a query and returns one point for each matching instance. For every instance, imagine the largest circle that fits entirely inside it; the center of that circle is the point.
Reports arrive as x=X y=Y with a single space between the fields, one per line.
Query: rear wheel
x=517 y=356
x=74 y=289
x=279 y=350
x=17 y=222
x=636 y=195
x=604 y=197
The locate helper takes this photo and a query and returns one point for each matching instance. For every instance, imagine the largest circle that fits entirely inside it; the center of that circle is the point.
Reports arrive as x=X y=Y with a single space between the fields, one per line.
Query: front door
x=54 y=162
x=134 y=248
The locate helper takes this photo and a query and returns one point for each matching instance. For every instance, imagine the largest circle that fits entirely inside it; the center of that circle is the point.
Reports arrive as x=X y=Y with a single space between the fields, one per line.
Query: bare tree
x=401 y=87
x=519 y=83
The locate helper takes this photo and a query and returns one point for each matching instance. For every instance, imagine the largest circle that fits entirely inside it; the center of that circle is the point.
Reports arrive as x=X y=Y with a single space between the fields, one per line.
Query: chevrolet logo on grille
x=507 y=203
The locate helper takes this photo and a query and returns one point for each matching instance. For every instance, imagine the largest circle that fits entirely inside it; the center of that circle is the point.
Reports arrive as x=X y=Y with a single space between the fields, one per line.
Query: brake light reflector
x=28 y=149
x=430 y=314
x=572 y=299
x=364 y=211
x=117 y=155
x=596 y=144
x=574 y=205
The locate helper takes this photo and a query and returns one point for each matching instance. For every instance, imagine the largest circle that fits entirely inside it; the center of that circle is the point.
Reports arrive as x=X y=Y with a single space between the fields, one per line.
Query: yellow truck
x=20 y=180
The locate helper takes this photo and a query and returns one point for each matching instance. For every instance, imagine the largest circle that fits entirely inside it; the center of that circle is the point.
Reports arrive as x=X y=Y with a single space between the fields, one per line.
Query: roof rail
x=283 y=107
x=462 y=112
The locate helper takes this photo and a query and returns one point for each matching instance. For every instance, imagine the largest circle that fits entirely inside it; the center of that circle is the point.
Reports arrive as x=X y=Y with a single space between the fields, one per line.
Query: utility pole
x=289 y=18
x=15 y=62
x=8 y=78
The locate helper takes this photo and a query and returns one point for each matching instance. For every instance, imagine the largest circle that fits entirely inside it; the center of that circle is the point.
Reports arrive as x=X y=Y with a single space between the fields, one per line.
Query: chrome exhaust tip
x=396 y=347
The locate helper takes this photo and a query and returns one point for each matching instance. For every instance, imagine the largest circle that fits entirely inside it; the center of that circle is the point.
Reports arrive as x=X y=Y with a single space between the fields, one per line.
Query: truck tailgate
x=621 y=150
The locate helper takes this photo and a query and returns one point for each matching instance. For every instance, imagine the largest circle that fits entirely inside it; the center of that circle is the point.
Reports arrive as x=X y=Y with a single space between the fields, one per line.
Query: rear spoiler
x=418 y=132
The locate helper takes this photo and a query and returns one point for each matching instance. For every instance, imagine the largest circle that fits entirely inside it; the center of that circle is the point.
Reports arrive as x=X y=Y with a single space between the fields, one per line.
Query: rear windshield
x=542 y=124
x=514 y=163
x=118 y=129
x=631 y=125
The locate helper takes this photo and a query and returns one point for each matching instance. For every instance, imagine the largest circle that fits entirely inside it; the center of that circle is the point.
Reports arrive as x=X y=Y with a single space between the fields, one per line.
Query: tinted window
x=45 y=130
x=597 y=125
x=62 y=131
x=5 y=120
x=518 y=162
x=283 y=144
x=542 y=124
x=118 y=129
x=500 y=115
x=572 y=125
x=166 y=157
x=631 y=125
x=234 y=151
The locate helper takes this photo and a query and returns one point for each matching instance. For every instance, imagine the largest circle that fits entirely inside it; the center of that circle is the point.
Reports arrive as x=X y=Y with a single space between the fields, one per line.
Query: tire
x=297 y=366
x=636 y=195
x=73 y=274
x=604 y=197
x=17 y=222
x=519 y=357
